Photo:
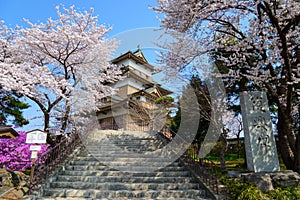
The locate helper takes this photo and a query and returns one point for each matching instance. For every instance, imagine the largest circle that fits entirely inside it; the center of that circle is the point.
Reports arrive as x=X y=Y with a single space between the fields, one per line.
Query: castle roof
x=137 y=56
x=8 y=132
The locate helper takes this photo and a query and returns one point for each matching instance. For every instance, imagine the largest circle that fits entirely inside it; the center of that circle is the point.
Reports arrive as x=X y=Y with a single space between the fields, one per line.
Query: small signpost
x=35 y=147
x=35 y=137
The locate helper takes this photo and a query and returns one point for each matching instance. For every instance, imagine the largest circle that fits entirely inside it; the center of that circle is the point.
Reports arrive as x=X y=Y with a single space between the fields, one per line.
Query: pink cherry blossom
x=57 y=63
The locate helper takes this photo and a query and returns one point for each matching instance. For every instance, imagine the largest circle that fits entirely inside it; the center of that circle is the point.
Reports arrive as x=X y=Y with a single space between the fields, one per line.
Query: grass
x=233 y=163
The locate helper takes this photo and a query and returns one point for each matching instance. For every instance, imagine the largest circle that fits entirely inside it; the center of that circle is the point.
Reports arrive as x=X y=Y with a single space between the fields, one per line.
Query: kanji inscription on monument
x=260 y=146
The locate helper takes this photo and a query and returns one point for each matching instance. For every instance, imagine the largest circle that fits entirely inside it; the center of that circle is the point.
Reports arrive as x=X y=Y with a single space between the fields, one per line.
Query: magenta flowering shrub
x=15 y=154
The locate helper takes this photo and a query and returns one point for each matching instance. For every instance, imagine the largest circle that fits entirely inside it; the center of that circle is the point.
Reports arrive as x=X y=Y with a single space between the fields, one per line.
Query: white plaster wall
x=129 y=81
x=141 y=68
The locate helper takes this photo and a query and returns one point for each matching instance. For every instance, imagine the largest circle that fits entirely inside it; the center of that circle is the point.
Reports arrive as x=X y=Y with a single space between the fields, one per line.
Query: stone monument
x=260 y=146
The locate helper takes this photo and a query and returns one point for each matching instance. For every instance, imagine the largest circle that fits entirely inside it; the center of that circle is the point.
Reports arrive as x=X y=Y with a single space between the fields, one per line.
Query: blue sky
x=122 y=15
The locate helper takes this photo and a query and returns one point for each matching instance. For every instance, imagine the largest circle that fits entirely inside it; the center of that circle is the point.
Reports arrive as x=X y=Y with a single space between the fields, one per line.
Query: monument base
x=267 y=181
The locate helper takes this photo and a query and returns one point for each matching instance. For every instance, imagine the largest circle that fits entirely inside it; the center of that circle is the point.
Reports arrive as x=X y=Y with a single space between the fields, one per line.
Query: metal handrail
x=204 y=168
x=50 y=161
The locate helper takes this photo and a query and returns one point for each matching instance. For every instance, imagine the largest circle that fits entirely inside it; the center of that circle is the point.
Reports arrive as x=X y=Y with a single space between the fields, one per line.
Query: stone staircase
x=115 y=170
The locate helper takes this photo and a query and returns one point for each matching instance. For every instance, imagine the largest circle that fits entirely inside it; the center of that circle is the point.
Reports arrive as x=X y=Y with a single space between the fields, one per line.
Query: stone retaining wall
x=13 y=184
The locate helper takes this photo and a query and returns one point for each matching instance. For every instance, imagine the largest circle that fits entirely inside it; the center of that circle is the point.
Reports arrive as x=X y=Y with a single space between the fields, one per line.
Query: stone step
x=123 y=198
x=105 y=158
x=122 y=154
x=151 y=142
x=119 y=151
x=123 y=138
x=110 y=143
x=125 y=153
x=127 y=179
x=124 y=186
x=121 y=141
x=136 y=143
x=120 y=167
x=100 y=194
x=117 y=148
x=104 y=167
x=127 y=169
x=113 y=145
x=120 y=173
x=131 y=167
x=132 y=138
x=104 y=155
x=136 y=135
x=116 y=163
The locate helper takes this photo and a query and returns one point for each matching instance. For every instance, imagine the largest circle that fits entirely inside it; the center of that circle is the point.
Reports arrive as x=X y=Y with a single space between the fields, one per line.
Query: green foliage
x=228 y=157
x=251 y=193
x=175 y=122
x=203 y=97
x=238 y=190
x=290 y=193
x=166 y=100
x=234 y=186
x=11 y=106
x=216 y=150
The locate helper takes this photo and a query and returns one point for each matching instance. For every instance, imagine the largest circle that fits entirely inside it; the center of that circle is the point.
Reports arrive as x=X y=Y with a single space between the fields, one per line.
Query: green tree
x=205 y=109
x=203 y=98
x=12 y=106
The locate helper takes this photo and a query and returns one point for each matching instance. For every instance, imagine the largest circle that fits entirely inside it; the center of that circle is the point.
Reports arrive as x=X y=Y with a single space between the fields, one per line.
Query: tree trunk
x=46 y=121
x=222 y=152
x=46 y=128
x=288 y=148
x=238 y=145
x=297 y=155
x=65 y=118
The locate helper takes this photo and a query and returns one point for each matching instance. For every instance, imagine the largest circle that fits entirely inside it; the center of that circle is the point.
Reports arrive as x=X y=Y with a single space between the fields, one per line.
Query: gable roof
x=8 y=132
x=139 y=58
x=159 y=90
x=155 y=90
x=140 y=54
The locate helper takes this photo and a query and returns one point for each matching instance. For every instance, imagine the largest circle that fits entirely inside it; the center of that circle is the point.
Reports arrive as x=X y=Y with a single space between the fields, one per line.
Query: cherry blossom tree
x=11 y=107
x=256 y=40
x=62 y=65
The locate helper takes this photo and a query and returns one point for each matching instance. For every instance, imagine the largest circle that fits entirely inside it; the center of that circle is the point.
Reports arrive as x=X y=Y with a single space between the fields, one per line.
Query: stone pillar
x=260 y=146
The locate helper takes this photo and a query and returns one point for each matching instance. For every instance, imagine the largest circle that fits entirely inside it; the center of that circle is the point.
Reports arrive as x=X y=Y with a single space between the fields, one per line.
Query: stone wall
x=268 y=181
x=13 y=184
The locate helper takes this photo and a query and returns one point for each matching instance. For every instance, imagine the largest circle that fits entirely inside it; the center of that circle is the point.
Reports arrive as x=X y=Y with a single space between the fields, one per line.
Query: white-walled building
x=133 y=107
